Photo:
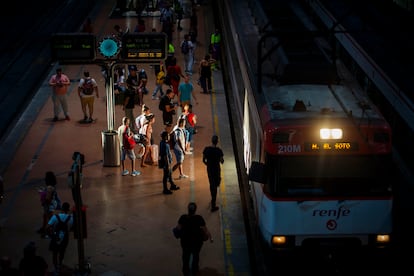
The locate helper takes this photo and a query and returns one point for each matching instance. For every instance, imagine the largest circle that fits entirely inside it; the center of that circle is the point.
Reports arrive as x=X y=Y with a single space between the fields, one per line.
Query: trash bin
x=111 y=149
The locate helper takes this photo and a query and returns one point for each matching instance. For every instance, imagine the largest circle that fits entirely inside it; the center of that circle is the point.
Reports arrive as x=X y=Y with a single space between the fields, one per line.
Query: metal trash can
x=111 y=149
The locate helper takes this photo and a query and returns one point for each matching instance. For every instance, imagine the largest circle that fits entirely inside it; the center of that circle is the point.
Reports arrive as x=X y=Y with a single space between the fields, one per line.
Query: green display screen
x=72 y=47
x=144 y=47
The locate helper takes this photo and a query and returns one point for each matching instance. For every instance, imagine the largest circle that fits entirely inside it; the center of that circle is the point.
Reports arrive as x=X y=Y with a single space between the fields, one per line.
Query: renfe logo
x=340 y=212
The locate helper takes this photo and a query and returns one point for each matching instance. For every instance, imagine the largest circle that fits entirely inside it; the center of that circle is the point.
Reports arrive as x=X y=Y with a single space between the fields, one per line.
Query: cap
x=132 y=68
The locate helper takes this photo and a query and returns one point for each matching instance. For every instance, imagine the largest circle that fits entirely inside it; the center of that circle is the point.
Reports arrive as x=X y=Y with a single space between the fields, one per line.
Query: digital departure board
x=73 y=47
x=331 y=146
x=144 y=47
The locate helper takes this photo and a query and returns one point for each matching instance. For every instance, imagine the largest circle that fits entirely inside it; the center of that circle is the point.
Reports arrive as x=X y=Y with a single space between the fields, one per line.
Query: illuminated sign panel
x=144 y=47
x=331 y=146
x=71 y=47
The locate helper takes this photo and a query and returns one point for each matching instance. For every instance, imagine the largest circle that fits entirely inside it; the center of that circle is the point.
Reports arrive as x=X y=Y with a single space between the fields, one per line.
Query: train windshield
x=329 y=176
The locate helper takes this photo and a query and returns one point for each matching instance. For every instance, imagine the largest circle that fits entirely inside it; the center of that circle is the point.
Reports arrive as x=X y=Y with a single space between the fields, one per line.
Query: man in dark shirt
x=212 y=158
x=31 y=263
x=193 y=232
x=134 y=89
x=168 y=109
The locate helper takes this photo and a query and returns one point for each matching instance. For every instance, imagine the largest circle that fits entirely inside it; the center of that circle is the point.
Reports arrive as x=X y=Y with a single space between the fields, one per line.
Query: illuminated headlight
x=383 y=239
x=279 y=240
x=330 y=133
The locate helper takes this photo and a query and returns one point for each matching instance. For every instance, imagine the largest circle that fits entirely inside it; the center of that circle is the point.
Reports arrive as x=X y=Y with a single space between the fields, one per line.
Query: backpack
x=167 y=15
x=185 y=47
x=128 y=141
x=87 y=87
x=61 y=230
x=188 y=126
x=160 y=77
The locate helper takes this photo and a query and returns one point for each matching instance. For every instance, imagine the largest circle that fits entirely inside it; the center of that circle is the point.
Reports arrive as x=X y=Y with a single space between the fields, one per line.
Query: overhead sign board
x=143 y=47
x=73 y=47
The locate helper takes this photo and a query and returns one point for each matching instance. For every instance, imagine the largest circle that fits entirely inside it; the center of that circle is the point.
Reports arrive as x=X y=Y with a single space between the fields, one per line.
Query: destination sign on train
x=144 y=46
x=72 y=47
x=331 y=146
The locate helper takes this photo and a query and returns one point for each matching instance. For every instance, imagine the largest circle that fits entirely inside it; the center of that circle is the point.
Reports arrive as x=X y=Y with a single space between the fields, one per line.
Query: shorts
x=179 y=155
x=128 y=152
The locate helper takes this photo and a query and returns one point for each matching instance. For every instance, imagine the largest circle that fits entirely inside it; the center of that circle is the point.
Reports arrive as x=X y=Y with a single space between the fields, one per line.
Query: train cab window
x=328 y=176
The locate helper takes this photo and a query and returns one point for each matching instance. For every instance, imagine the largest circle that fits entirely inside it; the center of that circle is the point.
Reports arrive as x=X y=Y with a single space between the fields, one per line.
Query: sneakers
x=135 y=173
x=126 y=172
x=174 y=187
x=155 y=98
x=215 y=208
x=67 y=118
x=89 y=120
x=183 y=176
x=167 y=192
x=55 y=119
x=188 y=152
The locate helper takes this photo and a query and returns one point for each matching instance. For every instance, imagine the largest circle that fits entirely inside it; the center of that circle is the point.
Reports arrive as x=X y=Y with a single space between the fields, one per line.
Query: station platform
x=129 y=219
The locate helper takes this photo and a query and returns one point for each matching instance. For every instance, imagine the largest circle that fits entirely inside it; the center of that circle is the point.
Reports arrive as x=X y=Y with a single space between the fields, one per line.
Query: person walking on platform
x=87 y=87
x=212 y=158
x=164 y=162
x=186 y=93
x=59 y=83
x=125 y=150
x=60 y=239
x=180 y=141
x=193 y=232
x=174 y=72
x=31 y=263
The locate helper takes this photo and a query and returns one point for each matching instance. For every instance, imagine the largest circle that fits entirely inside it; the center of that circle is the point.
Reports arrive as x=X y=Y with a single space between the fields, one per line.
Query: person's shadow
x=209 y=271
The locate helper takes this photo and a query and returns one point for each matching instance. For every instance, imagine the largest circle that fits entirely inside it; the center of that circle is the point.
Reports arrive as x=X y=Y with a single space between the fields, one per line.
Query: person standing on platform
x=168 y=109
x=164 y=162
x=125 y=150
x=59 y=83
x=187 y=49
x=213 y=158
x=87 y=87
x=193 y=231
x=215 y=42
x=133 y=89
x=159 y=80
x=205 y=74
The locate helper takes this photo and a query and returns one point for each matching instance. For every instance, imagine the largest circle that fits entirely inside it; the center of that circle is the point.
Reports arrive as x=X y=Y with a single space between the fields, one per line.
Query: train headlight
x=383 y=239
x=279 y=240
x=330 y=133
